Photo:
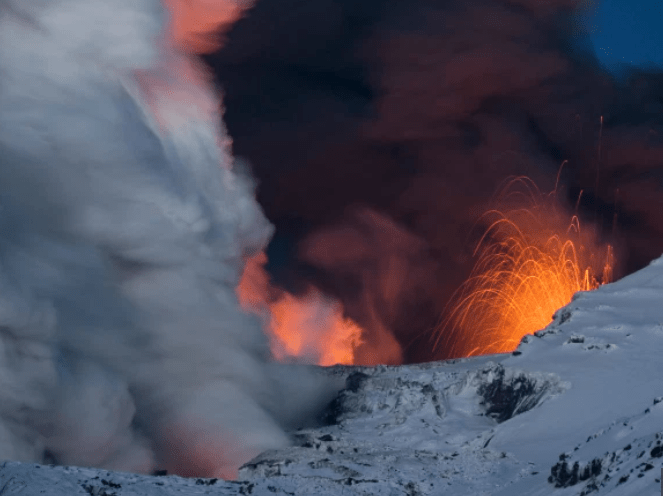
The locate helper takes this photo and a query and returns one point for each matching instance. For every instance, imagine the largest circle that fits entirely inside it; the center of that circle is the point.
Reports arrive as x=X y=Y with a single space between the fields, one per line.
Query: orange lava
x=529 y=265
x=309 y=328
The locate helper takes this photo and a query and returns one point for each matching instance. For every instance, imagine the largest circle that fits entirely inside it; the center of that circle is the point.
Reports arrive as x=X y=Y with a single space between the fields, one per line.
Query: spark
x=528 y=266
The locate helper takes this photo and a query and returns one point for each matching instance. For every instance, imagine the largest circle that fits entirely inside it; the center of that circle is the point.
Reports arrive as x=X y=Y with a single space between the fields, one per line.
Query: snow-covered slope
x=576 y=410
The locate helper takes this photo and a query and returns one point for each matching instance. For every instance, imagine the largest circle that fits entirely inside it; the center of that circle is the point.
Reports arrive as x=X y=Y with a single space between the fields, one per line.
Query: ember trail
x=531 y=261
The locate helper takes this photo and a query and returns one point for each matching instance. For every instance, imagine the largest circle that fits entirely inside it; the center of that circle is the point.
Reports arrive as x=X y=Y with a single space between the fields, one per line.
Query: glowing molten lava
x=529 y=266
x=310 y=328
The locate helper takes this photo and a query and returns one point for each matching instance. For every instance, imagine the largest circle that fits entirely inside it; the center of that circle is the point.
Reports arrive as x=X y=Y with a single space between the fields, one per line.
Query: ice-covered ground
x=576 y=410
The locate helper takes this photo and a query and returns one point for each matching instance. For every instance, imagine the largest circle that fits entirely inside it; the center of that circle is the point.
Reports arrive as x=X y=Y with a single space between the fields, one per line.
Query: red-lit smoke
x=310 y=328
x=414 y=111
x=196 y=26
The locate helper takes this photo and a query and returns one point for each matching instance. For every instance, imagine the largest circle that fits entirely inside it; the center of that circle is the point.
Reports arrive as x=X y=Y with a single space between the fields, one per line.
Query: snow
x=577 y=409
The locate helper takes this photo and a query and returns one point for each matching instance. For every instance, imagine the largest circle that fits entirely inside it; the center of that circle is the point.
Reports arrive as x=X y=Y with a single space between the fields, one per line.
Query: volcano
x=576 y=409
x=203 y=202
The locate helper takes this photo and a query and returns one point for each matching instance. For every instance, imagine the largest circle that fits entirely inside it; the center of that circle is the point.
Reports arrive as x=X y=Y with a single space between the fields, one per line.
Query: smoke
x=381 y=131
x=124 y=228
x=198 y=26
x=308 y=329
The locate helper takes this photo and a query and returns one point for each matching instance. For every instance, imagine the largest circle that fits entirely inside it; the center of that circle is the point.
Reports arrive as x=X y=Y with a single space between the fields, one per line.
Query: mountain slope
x=576 y=410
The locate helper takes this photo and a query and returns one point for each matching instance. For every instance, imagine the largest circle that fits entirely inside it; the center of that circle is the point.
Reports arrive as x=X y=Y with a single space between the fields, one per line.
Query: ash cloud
x=359 y=115
x=124 y=226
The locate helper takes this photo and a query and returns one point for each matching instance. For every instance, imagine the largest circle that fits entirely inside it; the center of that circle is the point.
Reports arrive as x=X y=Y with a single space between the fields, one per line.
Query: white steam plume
x=123 y=232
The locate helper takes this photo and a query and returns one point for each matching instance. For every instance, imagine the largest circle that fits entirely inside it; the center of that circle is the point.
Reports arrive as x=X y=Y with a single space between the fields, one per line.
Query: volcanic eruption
x=530 y=263
x=380 y=132
x=156 y=268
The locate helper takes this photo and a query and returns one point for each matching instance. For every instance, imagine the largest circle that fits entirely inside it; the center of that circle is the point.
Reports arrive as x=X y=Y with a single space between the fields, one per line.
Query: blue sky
x=628 y=31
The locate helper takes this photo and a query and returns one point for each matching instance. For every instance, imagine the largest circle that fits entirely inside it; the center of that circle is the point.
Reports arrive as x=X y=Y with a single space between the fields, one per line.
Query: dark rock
x=206 y=482
x=355 y=380
x=564 y=317
x=561 y=475
x=505 y=396
x=332 y=414
x=247 y=489
x=110 y=484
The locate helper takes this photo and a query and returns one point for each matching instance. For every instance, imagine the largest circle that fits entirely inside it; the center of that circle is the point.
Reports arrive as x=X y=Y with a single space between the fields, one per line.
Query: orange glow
x=308 y=329
x=529 y=266
x=194 y=24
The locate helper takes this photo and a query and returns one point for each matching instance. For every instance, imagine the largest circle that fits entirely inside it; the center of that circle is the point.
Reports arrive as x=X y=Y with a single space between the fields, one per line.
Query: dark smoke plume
x=379 y=130
x=124 y=227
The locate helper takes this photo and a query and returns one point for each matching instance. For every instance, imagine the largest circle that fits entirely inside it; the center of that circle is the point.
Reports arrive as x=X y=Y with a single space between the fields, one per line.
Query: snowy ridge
x=27 y=478
x=577 y=409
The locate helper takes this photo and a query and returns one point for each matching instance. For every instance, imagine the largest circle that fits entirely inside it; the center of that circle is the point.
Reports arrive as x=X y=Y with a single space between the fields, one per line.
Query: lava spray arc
x=531 y=261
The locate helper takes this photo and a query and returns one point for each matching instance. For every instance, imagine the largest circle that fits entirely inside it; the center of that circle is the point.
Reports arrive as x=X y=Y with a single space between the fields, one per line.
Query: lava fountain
x=531 y=261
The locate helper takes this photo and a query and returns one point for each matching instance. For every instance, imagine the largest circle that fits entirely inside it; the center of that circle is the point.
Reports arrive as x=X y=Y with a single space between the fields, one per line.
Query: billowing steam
x=124 y=228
